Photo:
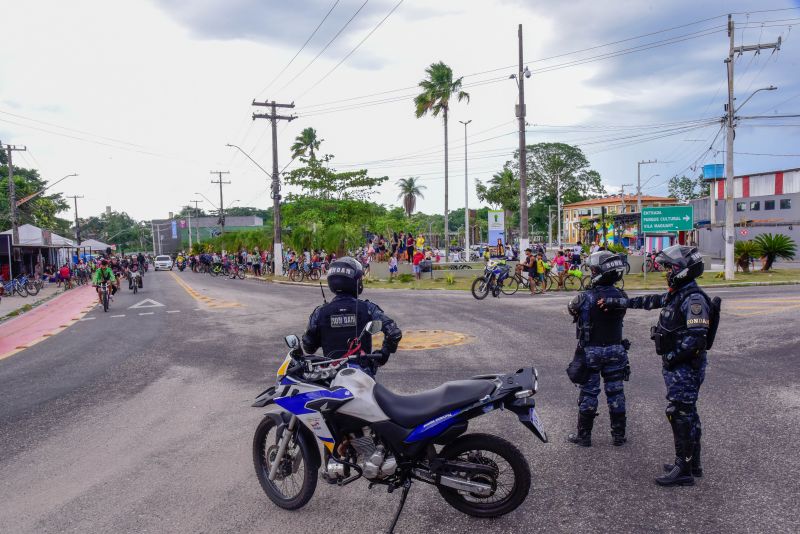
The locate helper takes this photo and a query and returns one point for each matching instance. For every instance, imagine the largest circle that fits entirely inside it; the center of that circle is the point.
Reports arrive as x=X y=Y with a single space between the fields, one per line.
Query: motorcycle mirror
x=292 y=341
x=373 y=327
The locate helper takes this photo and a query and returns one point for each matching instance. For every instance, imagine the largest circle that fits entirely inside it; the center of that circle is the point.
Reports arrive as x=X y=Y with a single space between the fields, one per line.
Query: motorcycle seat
x=413 y=410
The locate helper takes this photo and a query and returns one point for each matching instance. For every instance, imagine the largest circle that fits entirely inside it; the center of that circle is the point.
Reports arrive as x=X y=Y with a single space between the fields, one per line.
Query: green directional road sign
x=667 y=219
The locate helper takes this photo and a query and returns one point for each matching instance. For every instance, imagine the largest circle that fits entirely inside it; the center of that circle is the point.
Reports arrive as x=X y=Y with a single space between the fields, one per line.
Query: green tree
x=557 y=164
x=437 y=90
x=306 y=144
x=772 y=247
x=502 y=190
x=40 y=211
x=189 y=211
x=684 y=188
x=319 y=180
x=409 y=191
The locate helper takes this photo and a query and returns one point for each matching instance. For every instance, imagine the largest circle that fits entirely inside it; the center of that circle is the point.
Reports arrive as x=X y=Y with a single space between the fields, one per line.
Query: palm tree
x=306 y=143
x=409 y=191
x=772 y=247
x=437 y=89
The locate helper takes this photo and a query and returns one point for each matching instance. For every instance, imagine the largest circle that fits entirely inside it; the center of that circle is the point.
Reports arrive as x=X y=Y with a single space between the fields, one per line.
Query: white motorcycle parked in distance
x=330 y=415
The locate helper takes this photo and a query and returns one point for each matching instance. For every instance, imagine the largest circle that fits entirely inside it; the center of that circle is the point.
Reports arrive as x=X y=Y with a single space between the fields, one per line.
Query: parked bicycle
x=651 y=265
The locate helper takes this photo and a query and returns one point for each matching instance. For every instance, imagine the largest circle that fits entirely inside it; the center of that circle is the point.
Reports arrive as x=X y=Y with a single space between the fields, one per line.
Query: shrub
x=743 y=252
x=450 y=279
x=405 y=278
x=772 y=247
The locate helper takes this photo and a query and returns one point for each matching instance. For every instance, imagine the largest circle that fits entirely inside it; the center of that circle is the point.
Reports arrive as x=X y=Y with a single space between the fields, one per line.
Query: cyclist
x=104 y=274
x=66 y=276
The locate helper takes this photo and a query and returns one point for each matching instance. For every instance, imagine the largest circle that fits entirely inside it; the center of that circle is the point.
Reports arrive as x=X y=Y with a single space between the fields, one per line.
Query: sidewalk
x=11 y=303
x=45 y=320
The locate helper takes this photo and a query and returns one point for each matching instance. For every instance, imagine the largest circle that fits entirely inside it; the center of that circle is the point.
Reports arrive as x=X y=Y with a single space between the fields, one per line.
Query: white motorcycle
x=330 y=415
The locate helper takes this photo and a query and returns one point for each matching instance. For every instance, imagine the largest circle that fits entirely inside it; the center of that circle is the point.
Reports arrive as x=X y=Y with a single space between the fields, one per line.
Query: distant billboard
x=713 y=171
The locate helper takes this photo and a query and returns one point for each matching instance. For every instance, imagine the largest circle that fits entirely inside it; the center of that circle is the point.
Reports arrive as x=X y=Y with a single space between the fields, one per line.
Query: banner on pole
x=174 y=230
x=496 y=227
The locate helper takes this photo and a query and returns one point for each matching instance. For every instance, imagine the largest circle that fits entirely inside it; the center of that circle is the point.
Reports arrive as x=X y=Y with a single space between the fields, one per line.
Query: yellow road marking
x=208 y=301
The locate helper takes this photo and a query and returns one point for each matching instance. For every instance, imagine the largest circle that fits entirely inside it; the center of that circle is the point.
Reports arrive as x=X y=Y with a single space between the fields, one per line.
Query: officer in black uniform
x=331 y=326
x=601 y=350
x=685 y=330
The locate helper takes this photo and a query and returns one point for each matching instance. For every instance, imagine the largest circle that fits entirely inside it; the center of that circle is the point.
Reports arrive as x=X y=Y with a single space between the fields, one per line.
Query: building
x=767 y=202
x=172 y=235
x=582 y=220
x=35 y=245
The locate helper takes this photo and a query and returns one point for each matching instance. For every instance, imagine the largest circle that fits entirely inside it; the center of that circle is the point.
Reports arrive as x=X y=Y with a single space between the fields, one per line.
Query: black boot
x=618 y=428
x=584 y=435
x=697 y=467
x=681 y=472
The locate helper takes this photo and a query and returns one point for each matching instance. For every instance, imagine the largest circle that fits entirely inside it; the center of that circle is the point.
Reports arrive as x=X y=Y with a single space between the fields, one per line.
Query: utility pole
x=622 y=194
x=221 y=206
x=466 y=195
x=12 y=199
x=196 y=202
x=639 y=196
x=523 y=172
x=77 y=222
x=730 y=122
x=276 y=184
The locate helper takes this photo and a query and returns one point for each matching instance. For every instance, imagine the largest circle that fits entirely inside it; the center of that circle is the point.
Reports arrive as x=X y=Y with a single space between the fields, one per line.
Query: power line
x=772 y=155
x=301 y=48
x=325 y=47
x=350 y=53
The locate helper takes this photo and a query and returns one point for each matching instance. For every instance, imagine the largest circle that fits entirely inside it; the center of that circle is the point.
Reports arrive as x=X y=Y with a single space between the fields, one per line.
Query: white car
x=163 y=262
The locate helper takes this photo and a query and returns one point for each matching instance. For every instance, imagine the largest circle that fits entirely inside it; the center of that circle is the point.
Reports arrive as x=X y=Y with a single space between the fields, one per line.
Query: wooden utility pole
x=730 y=122
x=221 y=205
x=639 y=197
x=12 y=199
x=276 y=184
x=197 y=234
x=77 y=222
x=523 y=173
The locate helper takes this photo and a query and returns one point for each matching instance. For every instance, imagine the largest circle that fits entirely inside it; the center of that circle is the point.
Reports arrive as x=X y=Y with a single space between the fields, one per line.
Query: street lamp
x=22 y=201
x=250 y=158
x=207 y=200
x=770 y=88
x=466 y=194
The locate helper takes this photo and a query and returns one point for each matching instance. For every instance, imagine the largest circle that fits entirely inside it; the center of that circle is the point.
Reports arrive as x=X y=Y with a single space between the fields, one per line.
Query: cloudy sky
x=140 y=98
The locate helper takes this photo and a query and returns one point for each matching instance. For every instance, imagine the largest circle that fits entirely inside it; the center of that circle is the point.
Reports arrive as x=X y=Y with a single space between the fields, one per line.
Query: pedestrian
x=541 y=271
x=410 y=247
x=685 y=331
x=256 y=260
x=393 y=265
x=418 y=257
x=560 y=262
x=601 y=350
x=528 y=266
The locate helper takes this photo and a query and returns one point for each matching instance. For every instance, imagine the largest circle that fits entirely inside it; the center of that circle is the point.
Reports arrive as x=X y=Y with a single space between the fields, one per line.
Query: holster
x=660 y=341
x=577 y=370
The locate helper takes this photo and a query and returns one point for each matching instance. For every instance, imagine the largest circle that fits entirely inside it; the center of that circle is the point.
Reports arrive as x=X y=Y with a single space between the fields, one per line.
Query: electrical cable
x=301 y=48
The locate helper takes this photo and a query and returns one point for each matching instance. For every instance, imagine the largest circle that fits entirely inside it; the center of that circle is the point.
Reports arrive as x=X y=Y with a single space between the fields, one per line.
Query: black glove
x=385 y=352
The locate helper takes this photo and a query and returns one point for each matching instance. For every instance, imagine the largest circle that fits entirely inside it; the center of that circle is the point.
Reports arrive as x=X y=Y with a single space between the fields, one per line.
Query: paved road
x=138 y=420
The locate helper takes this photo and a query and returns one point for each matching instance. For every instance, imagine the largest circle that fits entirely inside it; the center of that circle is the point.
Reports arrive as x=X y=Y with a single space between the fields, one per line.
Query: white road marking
x=146 y=303
x=88 y=318
x=115 y=316
x=173 y=311
x=146 y=313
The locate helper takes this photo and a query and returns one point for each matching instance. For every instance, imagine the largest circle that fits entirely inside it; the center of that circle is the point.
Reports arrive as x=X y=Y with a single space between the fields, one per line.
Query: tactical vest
x=597 y=327
x=340 y=321
x=672 y=321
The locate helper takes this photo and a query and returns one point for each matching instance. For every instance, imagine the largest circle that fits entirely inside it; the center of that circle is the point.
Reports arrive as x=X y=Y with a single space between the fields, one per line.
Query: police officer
x=601 y=349
x=332 y=325
x=685 y=329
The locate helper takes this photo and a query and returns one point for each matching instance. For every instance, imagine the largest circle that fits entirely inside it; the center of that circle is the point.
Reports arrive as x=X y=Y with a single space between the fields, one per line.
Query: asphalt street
x=139 y=419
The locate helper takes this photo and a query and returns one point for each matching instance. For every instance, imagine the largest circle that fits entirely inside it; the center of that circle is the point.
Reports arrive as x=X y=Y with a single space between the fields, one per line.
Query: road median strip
x=211 y=302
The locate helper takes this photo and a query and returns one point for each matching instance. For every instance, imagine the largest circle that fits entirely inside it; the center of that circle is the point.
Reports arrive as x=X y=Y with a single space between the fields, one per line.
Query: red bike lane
x=45 y=320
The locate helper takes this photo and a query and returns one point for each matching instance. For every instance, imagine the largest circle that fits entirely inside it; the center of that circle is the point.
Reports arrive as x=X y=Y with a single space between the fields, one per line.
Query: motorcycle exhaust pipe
x=461 y=484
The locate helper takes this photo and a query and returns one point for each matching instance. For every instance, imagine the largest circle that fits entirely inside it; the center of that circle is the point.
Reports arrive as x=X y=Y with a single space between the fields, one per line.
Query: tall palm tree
x=437 y=90
x=306 y=143
x=409 y=191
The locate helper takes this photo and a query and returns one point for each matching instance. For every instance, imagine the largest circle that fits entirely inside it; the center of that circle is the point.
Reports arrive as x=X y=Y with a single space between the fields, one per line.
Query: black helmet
x=606 y=268
x=345 y=276
x=683 y=263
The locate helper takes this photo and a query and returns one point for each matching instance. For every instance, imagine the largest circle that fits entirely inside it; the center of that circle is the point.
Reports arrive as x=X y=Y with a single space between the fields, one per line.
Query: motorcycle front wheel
x=510 y=481
x=480 y=288
x=296 y=478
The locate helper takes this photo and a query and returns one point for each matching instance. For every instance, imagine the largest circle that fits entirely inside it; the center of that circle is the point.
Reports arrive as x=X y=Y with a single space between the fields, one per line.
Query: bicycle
x=586 y=283
x=104 y=296
x=238 y=271
x=13 y=286
x=30 y=286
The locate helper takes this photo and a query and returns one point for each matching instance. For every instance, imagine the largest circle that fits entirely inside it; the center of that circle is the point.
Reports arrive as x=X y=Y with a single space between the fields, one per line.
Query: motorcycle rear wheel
x=297 y=459
x=480 y=288
x=490 y=450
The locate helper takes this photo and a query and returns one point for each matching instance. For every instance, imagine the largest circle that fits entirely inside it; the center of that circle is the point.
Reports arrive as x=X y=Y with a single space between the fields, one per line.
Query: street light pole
x=523 y=173
x=639 y=197
x=466 y=194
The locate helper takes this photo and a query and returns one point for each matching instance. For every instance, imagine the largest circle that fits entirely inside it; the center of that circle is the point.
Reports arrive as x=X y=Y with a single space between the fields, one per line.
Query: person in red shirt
x=66 y=276
x=418 y=257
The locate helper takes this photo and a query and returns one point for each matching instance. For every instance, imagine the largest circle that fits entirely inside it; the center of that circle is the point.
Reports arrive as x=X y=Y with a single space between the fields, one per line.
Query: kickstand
x=406 y=487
